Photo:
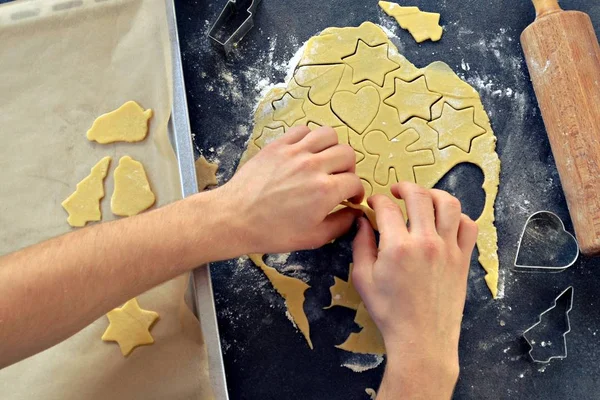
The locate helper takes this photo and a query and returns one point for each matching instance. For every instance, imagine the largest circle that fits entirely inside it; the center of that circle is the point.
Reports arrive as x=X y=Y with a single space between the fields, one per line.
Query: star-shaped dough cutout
x=456 y=128
x=268 y=135
x=288 y=109
x=370 y=63
x=206 y=173
x=130 y=326
x=412 y=99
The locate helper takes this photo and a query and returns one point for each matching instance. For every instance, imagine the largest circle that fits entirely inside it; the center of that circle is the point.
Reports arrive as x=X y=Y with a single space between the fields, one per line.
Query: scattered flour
x=362 y=362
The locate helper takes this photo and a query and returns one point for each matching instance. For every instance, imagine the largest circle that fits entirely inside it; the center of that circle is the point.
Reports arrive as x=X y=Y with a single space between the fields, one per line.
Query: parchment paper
x=60 y=68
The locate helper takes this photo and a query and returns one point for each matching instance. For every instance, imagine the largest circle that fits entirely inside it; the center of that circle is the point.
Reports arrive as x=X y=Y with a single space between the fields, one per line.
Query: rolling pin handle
x=545 y=7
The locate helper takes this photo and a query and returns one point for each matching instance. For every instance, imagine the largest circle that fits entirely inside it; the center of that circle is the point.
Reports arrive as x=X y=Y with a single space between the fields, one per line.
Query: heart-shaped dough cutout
x=545 y=245
x=321 y=79
x=358 y=109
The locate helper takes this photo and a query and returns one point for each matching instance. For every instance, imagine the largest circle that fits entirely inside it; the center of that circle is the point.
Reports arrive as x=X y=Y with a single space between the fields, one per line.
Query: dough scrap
x=128 y=123
x=372 y=393
x=434 y=86
x=130 y=326
x=83 y=205
x=132 y=193
x=292 y=290
x=206 y=173
x=343 y=293
x=368 y=340
x=421 y=25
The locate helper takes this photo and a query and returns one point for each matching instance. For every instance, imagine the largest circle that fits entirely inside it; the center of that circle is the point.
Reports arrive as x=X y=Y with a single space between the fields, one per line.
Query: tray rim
x=200 y=280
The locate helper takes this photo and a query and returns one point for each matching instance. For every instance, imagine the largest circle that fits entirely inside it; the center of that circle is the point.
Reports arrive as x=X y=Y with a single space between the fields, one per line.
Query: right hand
x=414 y=286
x=283 y=196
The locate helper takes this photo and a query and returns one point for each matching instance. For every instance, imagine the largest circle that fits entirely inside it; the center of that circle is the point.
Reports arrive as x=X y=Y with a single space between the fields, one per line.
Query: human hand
x=414 y=286
x=284 y=195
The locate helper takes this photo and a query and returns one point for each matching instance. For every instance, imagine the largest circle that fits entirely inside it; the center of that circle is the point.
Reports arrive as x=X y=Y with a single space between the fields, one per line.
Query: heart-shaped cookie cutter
x=544 y=223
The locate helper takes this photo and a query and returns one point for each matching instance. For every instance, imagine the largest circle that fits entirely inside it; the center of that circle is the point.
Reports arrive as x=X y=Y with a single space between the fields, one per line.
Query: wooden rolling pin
x=563 y=58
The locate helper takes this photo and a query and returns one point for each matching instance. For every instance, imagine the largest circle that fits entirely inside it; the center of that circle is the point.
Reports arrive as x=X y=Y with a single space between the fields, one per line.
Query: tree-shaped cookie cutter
x=569 y=293
x=227 y=18
x=559 y=226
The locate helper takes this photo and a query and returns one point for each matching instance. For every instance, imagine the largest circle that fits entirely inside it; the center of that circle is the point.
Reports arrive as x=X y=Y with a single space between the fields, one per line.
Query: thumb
x=364 y=254
x=334 y=225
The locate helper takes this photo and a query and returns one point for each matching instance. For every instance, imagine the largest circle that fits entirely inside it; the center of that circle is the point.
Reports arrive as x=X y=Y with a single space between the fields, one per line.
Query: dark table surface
x=265 y=357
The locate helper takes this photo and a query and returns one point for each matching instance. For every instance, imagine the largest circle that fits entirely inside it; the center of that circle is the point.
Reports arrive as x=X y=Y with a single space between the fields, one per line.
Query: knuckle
x=420 y=192
x=453 y=203
x=430 y=246
x=307 y=162
x=400 y=250
x=324 y=185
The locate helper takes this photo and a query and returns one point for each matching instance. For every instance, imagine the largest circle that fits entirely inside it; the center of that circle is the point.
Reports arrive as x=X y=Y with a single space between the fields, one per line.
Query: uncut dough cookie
x=444 y=125
x=132 y=193
x=130 y=326
x=128 y=123
x=83 y=205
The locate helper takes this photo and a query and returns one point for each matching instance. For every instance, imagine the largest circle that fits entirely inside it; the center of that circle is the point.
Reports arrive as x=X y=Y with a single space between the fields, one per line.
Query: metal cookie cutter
x=567 y=295
x=545 y=245
x=236 y=19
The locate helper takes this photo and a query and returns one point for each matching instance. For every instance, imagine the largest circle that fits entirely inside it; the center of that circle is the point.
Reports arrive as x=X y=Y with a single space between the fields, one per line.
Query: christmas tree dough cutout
x=83 y=205
x=132 y=193
x=128 y=123
x=130 y=326
x=421 y=25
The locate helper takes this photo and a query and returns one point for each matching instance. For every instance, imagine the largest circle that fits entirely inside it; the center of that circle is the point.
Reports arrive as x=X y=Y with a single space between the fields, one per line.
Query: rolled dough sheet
x=414 y=126
x=60 y=71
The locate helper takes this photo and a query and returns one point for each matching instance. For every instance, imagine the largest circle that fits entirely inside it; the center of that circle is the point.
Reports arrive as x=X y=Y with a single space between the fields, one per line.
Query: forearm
x=54 y=289
x=412 y=378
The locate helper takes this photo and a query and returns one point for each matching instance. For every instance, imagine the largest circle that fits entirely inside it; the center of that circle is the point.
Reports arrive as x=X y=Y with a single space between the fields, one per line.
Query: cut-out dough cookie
x=130 y=326
x=288 y=109
x=421 y=25
x=292 y=290
x=128 y=123
x=268 y=135
x=368 y=340
x=83 y=205
x=436 y=82
x=132 y=193
x=412 y=99
x=370 y=63
x=399 y=148
x=456 y=128
x=343 y=293
x=358 y=109
x=206 y=173
x=321 y=79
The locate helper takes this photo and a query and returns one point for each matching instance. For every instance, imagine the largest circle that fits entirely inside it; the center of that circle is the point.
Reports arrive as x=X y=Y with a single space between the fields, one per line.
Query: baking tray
x=200 y=288
x=200 y=280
